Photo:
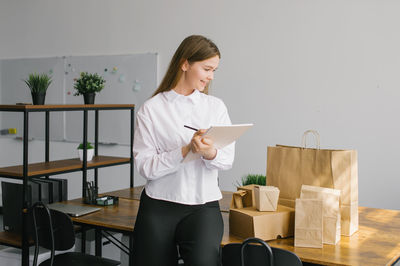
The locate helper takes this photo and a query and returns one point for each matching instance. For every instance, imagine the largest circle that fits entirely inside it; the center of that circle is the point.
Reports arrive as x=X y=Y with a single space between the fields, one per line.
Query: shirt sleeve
x=150 y=163
x=225 y=156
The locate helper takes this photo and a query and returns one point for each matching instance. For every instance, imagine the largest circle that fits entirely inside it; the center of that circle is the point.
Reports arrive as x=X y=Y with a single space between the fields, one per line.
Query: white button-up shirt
x=159 y=137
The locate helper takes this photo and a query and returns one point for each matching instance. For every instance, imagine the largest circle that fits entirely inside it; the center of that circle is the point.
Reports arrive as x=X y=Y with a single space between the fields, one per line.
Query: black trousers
x=163 y=227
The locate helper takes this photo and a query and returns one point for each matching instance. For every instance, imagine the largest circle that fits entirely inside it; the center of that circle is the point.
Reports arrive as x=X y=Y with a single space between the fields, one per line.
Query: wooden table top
x=117 y=217
x=376 y=243
x=134 y=193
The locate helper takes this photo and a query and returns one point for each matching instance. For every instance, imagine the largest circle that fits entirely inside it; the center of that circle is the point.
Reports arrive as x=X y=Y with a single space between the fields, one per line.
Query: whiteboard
x=130 y=79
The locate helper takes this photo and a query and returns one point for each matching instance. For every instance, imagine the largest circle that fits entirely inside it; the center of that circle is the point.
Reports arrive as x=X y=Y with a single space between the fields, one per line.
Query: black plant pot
x=38 y=98
x=89 y=97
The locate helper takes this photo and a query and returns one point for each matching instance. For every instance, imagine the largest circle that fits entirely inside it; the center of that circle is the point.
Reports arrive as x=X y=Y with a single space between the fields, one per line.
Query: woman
x=179 y=210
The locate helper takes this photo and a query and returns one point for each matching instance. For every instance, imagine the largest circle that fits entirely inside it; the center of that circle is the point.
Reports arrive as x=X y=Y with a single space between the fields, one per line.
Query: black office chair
x=246 y=253
x=59 y=236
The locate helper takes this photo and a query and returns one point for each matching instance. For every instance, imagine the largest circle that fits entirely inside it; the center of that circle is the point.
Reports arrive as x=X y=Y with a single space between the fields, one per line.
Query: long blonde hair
x=193 y=49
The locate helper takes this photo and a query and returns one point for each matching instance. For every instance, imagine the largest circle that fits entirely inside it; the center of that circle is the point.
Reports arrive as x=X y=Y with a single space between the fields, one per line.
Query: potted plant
x=253 y=179
x=38 y=84
x=89 y=151
x=88 y=85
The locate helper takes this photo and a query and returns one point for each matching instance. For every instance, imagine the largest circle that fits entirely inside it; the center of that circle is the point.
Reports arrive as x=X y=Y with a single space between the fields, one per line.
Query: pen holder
x=91 y=195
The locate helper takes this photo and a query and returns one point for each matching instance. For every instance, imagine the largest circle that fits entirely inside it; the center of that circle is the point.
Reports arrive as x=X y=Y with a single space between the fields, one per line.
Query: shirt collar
x=173 y=96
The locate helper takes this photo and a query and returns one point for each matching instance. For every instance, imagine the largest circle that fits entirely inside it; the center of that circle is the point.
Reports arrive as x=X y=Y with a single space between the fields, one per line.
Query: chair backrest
x=257 y=255
x=59 y=236
x=285 y=257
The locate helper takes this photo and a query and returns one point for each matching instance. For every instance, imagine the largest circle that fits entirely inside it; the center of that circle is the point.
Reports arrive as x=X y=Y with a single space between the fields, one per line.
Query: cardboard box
x=266 y=198
x=244 y=197
x=248 y=222
x=248 y=199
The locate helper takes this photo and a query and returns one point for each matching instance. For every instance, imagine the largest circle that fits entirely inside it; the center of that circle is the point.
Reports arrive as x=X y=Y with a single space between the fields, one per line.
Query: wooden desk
x=120 y=217
x=376 y=243
x=134 y=193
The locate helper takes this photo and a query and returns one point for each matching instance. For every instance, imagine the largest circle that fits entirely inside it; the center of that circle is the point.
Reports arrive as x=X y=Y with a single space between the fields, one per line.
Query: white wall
x=287 y=66
x=0 y=95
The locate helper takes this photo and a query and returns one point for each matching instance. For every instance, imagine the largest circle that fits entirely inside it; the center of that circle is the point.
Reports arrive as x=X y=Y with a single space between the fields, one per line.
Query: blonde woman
x=179 y=210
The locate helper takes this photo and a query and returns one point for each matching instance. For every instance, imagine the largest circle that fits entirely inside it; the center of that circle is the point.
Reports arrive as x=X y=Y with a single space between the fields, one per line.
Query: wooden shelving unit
x=61 y=166
x=47 y=168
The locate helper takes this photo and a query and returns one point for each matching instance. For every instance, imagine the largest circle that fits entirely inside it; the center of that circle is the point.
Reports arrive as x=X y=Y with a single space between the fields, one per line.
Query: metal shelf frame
x=26 y=109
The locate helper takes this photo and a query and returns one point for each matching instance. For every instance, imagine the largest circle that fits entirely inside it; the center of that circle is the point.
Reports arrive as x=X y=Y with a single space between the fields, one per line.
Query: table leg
x=25 y=256
x=83 y=240
x=131 y=251
x=98 y=242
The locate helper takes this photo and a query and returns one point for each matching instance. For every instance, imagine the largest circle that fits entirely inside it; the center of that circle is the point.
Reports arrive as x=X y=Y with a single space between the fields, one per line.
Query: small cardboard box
x=248 y=222
x=266 y=198
x=248 y=200
x=244 y=197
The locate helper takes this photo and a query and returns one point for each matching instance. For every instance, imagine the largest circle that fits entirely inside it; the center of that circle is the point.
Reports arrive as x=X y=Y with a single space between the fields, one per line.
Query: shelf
x=64 y=107
x=58 y=166
x=12 y=239
x=61 y=166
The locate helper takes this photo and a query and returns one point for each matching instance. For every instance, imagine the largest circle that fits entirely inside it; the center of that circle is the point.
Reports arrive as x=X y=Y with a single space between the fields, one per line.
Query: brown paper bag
x=266 y=198
x=290 y=167
x=331 y=211
x=308 y=223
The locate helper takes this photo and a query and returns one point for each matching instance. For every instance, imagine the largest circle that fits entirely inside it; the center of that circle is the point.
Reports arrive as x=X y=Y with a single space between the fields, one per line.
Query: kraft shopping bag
x=288 y=168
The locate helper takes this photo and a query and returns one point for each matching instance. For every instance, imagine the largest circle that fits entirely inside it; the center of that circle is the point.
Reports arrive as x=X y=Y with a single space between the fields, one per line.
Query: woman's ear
x=185 y=65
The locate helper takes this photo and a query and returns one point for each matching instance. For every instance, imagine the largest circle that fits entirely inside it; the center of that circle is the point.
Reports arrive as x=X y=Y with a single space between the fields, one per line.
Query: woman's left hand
x=203 y=145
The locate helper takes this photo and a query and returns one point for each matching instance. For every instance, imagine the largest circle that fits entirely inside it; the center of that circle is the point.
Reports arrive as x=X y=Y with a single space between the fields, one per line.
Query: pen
x=195 y=129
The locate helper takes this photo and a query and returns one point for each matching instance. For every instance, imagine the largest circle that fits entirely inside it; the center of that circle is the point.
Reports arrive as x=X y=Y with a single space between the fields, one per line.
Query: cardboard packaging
x=243 y=197
x=331 y=211
x=248 y=222
x=266 y=198
x=308 y=223
x=237 y=199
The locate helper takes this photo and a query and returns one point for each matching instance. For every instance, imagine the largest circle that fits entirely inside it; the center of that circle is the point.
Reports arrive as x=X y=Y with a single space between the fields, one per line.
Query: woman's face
x=199 y=74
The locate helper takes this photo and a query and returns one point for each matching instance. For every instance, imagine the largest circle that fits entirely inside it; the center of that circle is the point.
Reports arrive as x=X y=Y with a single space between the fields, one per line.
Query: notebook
x=222 y=136
x=72 y=210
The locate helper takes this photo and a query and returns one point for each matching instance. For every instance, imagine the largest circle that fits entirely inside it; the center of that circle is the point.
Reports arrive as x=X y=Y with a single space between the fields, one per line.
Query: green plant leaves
x=88 y=146
x=38 y=82
x=88 y=82
x=254 y=179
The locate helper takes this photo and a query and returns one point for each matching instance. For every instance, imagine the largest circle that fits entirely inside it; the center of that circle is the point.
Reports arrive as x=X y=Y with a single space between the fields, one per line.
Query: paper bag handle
x=304 y=138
